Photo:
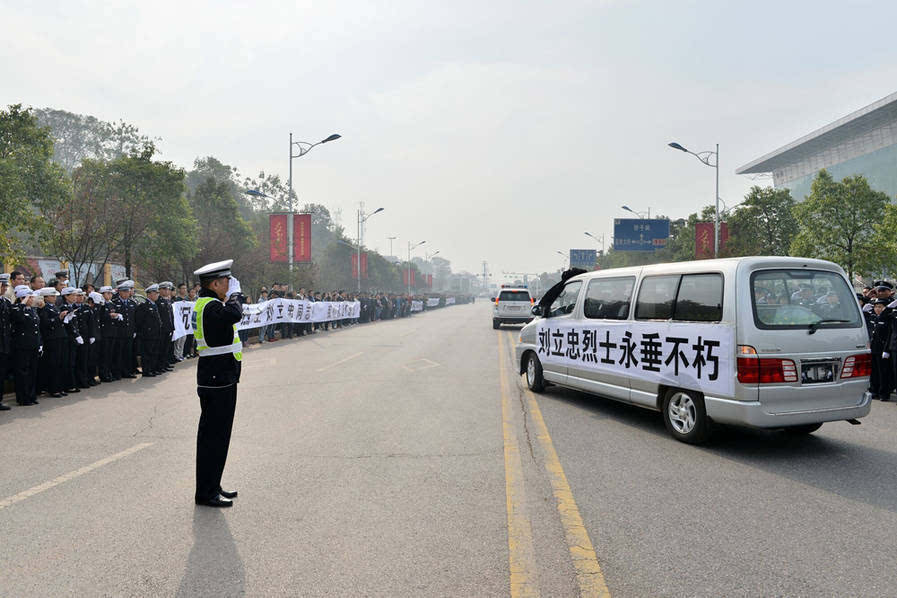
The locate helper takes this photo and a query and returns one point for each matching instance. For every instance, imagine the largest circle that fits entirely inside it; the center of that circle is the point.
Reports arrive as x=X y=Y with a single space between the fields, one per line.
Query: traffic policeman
x=5 y=336
x=214 y=319
x=149 y=330
x=26 y=345
x=123 y=324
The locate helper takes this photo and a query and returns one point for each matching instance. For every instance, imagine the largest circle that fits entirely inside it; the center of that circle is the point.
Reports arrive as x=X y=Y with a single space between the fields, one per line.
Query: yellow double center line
x=589 y=577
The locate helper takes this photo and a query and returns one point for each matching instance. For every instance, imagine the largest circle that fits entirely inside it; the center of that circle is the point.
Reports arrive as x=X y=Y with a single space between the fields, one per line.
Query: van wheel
x=534 y=379
x=801 y=430
x=685 y=416
x=496 y=324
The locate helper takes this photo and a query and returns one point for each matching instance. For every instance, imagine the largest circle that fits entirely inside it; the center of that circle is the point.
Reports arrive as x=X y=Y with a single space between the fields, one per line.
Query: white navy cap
x=97 y=298
x=166 y=285
x=48 y=292
x=125 y=285
x=107 y=290
x=4 y=278
x=69 y=291
x=22 y=291
x=216 y=270
x=152 y=288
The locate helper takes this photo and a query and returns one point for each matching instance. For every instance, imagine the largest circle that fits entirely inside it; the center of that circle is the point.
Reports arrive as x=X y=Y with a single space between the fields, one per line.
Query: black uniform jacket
x=883 y=339
x=123 y=328
x=148 y=324
x=218 y=321
x=5 y=326
x=25 y=328
x=51 y=326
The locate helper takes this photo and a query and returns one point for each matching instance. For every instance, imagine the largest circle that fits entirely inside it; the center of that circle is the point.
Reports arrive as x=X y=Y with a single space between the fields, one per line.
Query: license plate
x=817 y=373
x=513 y=308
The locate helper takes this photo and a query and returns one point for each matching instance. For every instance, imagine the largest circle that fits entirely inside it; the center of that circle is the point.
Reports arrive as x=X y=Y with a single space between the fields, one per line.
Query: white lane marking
x=340 y=362
x=71 y=475
x=425 y=364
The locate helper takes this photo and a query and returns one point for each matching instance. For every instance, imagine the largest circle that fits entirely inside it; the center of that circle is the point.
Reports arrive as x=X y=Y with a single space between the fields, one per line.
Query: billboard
x=636 y=234
x=583 y=258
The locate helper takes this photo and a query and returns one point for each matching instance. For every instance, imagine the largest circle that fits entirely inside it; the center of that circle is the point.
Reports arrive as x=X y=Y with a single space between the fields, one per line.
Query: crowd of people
x=879 y=306
x=57 y=339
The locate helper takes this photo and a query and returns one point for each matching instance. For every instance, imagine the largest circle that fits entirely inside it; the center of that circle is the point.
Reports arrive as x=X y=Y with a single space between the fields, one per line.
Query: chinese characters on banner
x=696 y=357
x=301 y=237
x=278 y=241
x=704 y=239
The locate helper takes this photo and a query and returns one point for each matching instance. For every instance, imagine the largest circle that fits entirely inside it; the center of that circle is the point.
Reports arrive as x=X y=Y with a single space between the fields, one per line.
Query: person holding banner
x=214 y=319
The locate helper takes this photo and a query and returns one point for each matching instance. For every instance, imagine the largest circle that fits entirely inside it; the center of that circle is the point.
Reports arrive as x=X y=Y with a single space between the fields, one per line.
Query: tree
x=837 y=222
x=222 y=231
x=78 y=137
x=763 y=224
x=29 y=182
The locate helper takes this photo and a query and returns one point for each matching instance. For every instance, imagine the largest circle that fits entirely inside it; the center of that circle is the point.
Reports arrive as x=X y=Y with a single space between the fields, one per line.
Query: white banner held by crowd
x=433 y=302
x=275 y=311
x=417 y=306
x=692 y=356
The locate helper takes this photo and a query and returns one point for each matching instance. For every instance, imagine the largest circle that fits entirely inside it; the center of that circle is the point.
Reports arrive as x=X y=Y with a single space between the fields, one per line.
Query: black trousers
x=880 y=383
x=122 y=359
x=81 y=358
x=26 y=375
x=108 y=355
x=5 y=366
x=149 y=355
x=55 y=364
x=213 y=437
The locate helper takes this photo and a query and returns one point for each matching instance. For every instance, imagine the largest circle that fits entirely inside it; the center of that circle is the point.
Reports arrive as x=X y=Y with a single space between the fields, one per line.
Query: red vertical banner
x=278 y=239
x=405 y=276
x=413 y=276
x=354 y=265
x=429 y=281
x=704 y=239
x=364 y=265
x=302 y=237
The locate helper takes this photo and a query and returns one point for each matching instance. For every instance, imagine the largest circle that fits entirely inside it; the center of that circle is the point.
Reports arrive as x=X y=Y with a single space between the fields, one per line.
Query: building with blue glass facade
x=864 y=142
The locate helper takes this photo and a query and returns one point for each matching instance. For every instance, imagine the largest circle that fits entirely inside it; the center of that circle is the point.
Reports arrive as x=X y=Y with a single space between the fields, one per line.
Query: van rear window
x=514 y=296
x=796 y=298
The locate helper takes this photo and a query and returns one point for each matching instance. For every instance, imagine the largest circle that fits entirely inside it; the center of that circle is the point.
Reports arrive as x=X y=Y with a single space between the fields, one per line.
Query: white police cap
x=22 y=291
x=166 y=285
x=4 y=278
x=152 y=288
x=69 y=291
x=125 y=285
x=48 y=292
x=216 y=270
x=97 y=298
x=107 y=290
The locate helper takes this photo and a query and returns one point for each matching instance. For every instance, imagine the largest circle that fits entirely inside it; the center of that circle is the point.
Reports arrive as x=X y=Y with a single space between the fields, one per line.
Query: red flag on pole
x=704 y=239
x=302 y=237
x=277 y=235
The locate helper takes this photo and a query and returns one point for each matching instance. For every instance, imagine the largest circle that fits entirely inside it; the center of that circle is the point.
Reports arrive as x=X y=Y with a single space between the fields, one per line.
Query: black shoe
x=885 y=399
x=227 y=493
x=215 y=501
x=56 y=395
x=129 y=376
x=65 y=394
x=7 y=408
x=74 y=390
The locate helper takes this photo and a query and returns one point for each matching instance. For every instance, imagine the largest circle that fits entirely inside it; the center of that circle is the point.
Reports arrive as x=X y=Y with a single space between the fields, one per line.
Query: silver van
x=768 y=342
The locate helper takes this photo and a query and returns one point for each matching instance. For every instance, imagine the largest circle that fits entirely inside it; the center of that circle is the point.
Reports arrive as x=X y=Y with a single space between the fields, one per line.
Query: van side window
x=700 y=298
x=608 y=298
x=656 y=297
x=566 y=301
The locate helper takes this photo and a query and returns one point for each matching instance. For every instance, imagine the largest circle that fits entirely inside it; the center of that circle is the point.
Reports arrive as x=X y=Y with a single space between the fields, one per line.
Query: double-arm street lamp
x=601 y=240
x=362 y=218
x=411 y=247
x=639 y=214
x=304 y=148
x=705 y=158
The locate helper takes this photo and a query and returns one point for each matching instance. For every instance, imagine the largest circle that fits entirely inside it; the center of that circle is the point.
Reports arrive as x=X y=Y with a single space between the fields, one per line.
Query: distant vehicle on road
x=768 y=342
x=512 y=306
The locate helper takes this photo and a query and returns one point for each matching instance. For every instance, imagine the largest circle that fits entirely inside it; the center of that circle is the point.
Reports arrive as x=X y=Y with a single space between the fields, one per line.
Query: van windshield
x=798 y=298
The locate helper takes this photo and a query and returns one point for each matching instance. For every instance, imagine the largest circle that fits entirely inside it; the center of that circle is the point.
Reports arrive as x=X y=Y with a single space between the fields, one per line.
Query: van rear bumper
x=752 y=413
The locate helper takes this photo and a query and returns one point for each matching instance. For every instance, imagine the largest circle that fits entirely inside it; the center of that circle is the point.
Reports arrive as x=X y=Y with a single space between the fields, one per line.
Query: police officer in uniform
x=26 y=345
x=54 y=365
x=214 y=318
x=124 y=331
x=5 y=336
x=109 y=343
x=149 y=331
x=166 y=315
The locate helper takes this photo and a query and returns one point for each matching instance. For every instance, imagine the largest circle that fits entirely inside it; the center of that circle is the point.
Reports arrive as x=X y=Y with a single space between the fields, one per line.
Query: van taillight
x=763 y=370
x=857 y=366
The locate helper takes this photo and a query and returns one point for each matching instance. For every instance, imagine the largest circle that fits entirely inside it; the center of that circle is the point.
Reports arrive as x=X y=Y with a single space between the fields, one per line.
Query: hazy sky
x=495 y=130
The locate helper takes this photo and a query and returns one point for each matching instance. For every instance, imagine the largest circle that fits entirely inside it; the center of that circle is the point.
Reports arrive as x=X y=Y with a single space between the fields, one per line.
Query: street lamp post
x=391 y=239
x=362 y=218
x=563 y=255
x=639 y=214
x=704 y=158
x=601 y=240
x=304 y=148
x=410 y=247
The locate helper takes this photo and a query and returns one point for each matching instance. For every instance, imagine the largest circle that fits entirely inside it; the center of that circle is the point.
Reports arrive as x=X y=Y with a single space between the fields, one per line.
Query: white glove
x=135 y=335
x=69 y=317
x=233 y=286
x=92 y=339
x=40 y=350
x=885 y=355
x=892 y=304
x=867 y=308
x=119 y=317
x=79 y=340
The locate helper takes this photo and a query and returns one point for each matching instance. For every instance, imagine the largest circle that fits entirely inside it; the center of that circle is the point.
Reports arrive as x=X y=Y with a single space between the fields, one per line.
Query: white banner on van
x=275 y=311
x=692 y=356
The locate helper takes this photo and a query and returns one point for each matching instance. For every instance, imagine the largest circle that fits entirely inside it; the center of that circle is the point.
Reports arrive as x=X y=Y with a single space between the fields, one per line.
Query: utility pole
x=391 y=239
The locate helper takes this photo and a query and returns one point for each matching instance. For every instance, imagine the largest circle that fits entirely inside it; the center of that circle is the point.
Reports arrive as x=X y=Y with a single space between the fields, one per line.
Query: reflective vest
x=201 y=347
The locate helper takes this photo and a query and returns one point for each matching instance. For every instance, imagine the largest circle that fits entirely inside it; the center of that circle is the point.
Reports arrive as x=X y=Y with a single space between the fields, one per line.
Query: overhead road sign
x=636 y=234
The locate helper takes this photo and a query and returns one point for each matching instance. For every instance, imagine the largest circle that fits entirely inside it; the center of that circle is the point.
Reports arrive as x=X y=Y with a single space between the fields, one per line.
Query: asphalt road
x=405 y=458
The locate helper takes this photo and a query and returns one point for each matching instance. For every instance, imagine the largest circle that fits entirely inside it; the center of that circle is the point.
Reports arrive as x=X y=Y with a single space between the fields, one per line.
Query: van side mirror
x=492 y=299
x=538 y=310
